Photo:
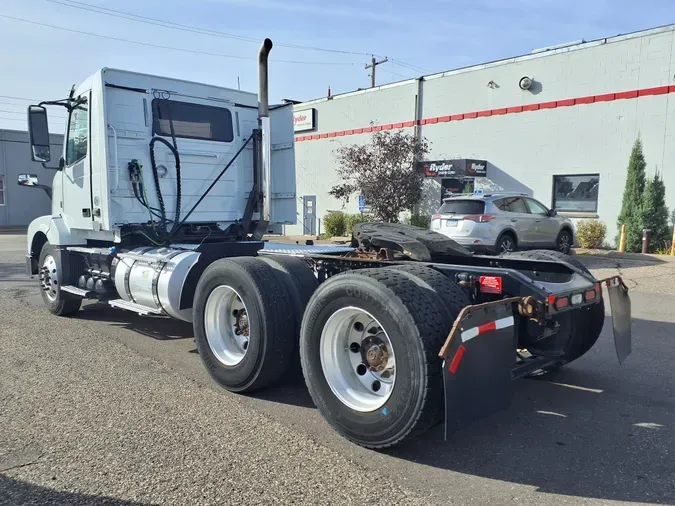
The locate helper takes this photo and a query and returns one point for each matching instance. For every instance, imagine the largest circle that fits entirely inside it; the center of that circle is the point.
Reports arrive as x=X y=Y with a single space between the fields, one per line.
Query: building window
x=192 y=121
x=576 y=194
x=78 y=135
x=2 y=190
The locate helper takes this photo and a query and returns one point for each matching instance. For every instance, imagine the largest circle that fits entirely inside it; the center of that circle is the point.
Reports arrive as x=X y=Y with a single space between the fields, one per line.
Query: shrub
x=334 y=224
x=631 y=207
x=420 y=220
x=591 y=233
x=655 y=213
x=354 y=219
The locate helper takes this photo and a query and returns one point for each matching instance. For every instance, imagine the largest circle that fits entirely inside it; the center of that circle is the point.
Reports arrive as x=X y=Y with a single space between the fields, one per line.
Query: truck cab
x=141 y=151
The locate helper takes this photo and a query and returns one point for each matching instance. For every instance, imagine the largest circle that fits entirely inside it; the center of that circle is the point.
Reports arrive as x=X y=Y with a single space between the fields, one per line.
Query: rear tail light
x=435 y=216
x=598 y=290
x=480 y=218
x=562 y=303
x=589 y=295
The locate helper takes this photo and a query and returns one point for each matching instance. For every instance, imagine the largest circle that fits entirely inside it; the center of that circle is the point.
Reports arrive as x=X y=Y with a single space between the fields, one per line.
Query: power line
x=25 y=112
x=25 y=120
x=203 y=31
x=411 y=67
x=194 y=29
x=20 y=98
x=158 y=46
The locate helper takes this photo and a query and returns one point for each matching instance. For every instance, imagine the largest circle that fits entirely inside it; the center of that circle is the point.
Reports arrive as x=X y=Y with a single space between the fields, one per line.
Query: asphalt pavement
x=112 y=408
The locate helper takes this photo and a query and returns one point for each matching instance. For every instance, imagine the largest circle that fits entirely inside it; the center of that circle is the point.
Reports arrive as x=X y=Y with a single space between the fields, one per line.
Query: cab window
x=78 y=134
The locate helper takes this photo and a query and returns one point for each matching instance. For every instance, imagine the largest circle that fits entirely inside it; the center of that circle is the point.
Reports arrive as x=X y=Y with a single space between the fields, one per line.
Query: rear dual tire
x=579 y=329
x=246 y=319
x=411 y=314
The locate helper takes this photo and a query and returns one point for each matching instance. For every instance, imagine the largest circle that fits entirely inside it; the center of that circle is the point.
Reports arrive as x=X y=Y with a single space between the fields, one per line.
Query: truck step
x=87 y=294
x=132 y=306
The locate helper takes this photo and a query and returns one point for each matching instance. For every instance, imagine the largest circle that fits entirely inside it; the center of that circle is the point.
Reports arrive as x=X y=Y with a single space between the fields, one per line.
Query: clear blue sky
x=38 y=62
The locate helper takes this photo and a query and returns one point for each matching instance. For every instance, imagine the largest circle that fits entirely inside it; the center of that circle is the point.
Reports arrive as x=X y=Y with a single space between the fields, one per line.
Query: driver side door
x=546 y=228
x=76 y=201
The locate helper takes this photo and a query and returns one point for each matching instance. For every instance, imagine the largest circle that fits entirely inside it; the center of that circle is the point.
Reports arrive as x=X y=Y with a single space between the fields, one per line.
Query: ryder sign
x=303 y=120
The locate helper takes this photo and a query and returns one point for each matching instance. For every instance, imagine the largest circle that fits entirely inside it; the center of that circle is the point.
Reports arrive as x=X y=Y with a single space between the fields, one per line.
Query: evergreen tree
x=632 y=200
x=655 y=213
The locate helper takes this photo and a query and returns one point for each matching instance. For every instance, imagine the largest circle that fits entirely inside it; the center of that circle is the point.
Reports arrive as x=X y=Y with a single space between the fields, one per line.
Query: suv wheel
x=564 y=242
x=505 y=244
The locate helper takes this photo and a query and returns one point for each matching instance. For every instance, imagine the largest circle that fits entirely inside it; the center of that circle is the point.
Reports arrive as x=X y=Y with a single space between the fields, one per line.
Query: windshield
x=462 y=207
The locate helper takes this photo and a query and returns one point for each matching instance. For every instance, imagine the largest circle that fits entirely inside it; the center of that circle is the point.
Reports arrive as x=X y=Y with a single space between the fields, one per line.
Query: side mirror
x=38 y=130
x=28 y=180
x=553 y=213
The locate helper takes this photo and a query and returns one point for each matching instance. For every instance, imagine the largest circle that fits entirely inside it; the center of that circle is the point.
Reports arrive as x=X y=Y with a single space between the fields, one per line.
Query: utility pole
x=373 y=65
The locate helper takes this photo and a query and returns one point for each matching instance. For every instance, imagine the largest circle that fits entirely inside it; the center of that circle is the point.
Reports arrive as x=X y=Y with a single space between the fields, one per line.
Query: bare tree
x=384 y=171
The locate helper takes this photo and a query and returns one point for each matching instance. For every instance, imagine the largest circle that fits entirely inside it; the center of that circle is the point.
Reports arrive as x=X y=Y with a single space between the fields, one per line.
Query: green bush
x=420 y=220
x=631 y=207
x=354 y=219
x=591 y=233
x=334 y=224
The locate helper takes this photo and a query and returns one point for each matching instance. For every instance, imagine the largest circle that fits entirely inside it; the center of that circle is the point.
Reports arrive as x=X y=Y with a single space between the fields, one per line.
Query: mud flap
x=479 y=357
x=621 y=316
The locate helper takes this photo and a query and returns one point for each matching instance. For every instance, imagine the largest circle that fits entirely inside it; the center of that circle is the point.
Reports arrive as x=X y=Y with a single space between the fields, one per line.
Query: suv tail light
x=480 y=218
x=435 y=216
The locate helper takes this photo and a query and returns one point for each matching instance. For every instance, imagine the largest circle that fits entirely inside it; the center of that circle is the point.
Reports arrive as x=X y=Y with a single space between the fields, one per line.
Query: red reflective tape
x=444 y=119
x=659 y=90
x=671 y=88
x=454 y=364
x=432 y=121
x=408 y=124
x=323 y=136
x=482 y=114
x=377 y=128
x=315 y=137
x=498 y=112
x=627 y=94
x=368 y=129
x=607 y=97
x=531 y=107
x=487 y=327
x=387 y=127
x=584 y=100
x=332 y=134
x=470 y=115
x=456 y=117
x=341 y=133
x=511 y=110
x=398 y=125
x=548 y=105
x=358 y=130
x=349 y=132
x=565 y=103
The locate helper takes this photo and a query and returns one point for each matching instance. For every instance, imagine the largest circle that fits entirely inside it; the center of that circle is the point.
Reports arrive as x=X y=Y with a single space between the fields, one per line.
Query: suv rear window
x=192 y=121
x=462 y=207
x=512 y=205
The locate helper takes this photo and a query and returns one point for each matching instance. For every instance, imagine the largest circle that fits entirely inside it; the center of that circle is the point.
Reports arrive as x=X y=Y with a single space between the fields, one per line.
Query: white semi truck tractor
x=159 y=206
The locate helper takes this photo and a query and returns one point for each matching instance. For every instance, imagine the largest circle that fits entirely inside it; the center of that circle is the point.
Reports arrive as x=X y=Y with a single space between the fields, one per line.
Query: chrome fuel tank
x=154 y=277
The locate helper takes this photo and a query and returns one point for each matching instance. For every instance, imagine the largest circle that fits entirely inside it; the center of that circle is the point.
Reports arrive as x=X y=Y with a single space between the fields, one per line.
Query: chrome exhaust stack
x=265 y=177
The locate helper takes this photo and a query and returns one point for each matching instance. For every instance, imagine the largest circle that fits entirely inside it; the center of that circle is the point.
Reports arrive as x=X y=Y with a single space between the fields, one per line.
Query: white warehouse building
x=562 y=135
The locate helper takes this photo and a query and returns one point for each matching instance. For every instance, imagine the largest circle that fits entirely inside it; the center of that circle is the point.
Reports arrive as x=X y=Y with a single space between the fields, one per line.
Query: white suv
x=502 y=222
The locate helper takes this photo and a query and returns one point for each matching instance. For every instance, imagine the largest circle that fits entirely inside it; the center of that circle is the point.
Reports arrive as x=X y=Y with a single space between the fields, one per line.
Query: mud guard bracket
x=478 y=359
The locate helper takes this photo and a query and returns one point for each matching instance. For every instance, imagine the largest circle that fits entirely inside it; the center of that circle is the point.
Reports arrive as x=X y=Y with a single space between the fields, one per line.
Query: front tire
x=243 y=323
x=564 y=242
x=50 y=284
x=354 y=325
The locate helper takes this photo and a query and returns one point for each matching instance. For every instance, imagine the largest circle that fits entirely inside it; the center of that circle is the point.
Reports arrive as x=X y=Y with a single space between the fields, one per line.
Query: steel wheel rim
x=49 y=278
x=506 y=245
x=226 y=322
x=362 y=379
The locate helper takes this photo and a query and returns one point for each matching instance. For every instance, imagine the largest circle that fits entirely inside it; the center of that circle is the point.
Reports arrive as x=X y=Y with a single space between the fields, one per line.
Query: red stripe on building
x=569 y=102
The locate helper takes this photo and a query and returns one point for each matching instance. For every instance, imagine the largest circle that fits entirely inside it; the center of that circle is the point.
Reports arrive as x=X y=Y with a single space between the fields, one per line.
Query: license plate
x=451 y=223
